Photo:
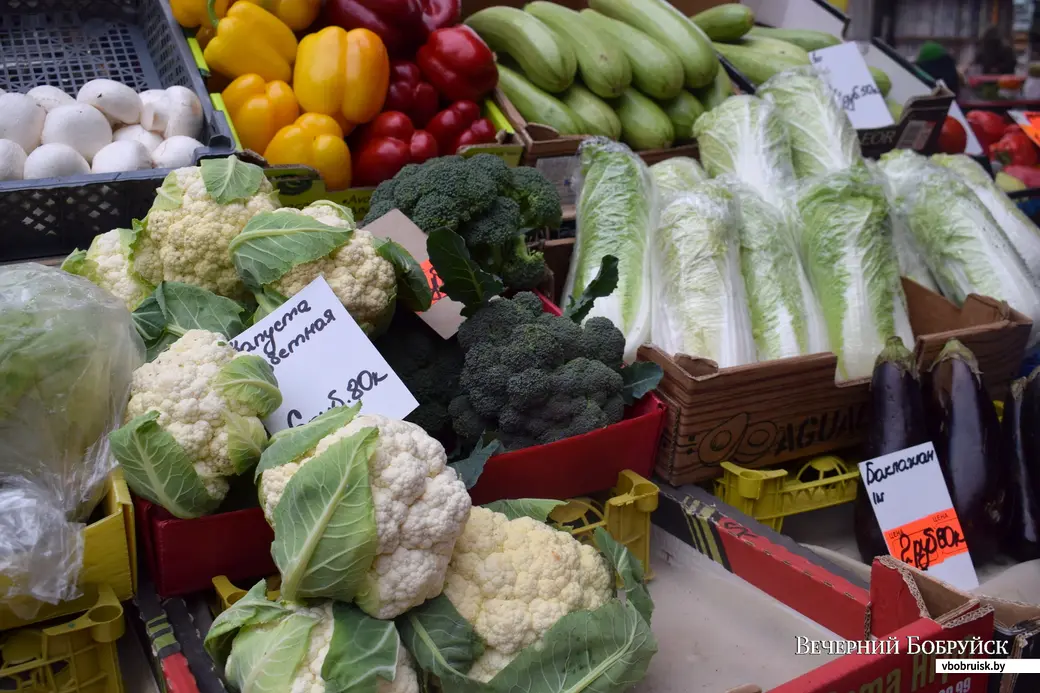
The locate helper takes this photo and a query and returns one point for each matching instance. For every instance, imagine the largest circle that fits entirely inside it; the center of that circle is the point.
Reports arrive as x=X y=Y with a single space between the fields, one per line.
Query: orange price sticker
x=929 y=541
x=1032 y=130
x=434 y=281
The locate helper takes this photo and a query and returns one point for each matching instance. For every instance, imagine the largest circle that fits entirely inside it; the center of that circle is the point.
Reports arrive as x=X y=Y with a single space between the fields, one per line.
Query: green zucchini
x=643 y=124
x=656 y=71
x=595 y=114
x=720 y=89
x=536 y=105
x=725 y=22
x=546 y=61
x=757 y=64
x=882 y=80
x=683 y=111
x=806 y=39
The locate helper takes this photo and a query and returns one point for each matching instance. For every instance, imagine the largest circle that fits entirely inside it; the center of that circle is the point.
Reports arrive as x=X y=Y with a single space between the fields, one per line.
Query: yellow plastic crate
x=75 y=657
x=109 y=559
x=768 y=495
x=625 y=514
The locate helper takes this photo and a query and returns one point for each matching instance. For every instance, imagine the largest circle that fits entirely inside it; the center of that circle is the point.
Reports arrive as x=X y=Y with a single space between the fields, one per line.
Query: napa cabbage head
x=701 y=307
x=745 y=137
x=823 y=140
x=911 y=259
x=847 y=243
x=677 y=175
x=616 y=208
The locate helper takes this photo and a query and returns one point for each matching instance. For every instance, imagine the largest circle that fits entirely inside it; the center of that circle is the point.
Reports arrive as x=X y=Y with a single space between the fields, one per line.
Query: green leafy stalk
x=290 y=444
x=254 y=608
x=267 y=660
x=413 y=289
x=601 y=286
x=174 y=308
x=249 y=380
x=463 y=280
x=230 y=179
x=629 y=569
x=535 y=508
x=363 y=651
x=640 y=378
x=470 y=468
x=443 y=643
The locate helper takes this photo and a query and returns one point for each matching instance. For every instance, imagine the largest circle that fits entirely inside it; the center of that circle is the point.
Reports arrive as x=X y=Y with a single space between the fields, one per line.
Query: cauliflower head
x=419 y=508
x=193 y=419
x=196 y=213
x=513 y=579
x=107 y=263
x=362 y=280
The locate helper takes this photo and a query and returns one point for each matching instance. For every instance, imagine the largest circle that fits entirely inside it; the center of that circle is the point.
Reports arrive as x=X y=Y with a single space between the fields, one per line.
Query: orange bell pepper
x=314 y=140
x=259 y=109
x=343 y=74
x=250 y=39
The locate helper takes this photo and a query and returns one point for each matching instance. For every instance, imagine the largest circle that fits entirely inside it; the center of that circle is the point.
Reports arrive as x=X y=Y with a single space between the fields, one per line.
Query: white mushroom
x=118 y=102
x=54 y=161
x=176 y=152
x=21 y=120
x=178 y=112
x=80 y=126
x=49 y=97
x=137 y=133
x=128 y=155
x=12 y=160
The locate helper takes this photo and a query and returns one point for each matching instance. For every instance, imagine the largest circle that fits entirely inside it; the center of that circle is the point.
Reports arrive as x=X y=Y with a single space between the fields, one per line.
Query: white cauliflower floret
x=107 y=263
x=420 y=508
x=513 y=579
x=178 y=385
x=188 y=242
x=363 y=281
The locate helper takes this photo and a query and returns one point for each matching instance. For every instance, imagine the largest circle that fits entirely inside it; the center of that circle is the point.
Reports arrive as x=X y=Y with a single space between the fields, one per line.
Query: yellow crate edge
x=109 y=558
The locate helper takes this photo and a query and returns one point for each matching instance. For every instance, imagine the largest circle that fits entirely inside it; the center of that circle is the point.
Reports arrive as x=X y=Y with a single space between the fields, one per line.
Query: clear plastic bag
x=745 y=137
x=852 y=264
x=617 y=211
x=677 y=175
x=822 y=137
x=68 y=350
x=700 y=304
x=911 y=259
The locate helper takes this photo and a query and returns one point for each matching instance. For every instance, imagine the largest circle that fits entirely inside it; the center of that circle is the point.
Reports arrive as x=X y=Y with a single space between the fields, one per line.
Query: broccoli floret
x=520 y=267
x=539 y=199
x=493 y=168
x=535 y=378
x=498 y=226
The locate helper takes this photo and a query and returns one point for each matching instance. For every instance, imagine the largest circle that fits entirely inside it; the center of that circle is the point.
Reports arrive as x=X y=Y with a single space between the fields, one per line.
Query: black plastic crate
x=67 y=43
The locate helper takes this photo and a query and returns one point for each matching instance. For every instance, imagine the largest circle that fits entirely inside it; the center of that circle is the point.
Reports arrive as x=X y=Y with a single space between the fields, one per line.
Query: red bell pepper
x=459 y=125
x=459 y=64
x=1016 y=149
x=410 y=94
x=387 y=145
x=1029 y=175
x=988 y=127
x=953 y=139
x=402 y=24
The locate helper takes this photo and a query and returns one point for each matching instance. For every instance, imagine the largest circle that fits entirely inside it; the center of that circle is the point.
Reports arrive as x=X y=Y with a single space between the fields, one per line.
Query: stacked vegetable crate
x=135 y=42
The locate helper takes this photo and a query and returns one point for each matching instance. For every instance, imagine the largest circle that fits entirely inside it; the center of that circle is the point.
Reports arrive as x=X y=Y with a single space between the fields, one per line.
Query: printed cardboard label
x=444 y=315
x=913 y=507
x=560 y=170
x=323 y=359
x=846 y=72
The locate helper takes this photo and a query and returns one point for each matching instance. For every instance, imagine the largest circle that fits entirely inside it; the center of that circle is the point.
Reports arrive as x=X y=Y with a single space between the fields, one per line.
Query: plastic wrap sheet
x=911 y=259
x=785 y=315
x=963 y=245
x=676 y=176
x=746 y=137
x=617 y=211
x=700 y=303
x=67 y=353
x=852 y=264
x=822 y=137
x=1020 y=230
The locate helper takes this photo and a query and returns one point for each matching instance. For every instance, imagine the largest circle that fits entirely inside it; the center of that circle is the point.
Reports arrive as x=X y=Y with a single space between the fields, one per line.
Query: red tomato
x=953 y=139
x=380 y=159
x=423 y=146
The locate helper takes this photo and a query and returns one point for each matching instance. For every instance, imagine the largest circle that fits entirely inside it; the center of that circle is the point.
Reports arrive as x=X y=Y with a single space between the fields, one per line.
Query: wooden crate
x=772 y=412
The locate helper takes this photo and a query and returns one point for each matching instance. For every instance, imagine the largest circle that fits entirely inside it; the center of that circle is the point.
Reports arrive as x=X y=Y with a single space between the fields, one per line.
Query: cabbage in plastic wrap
x=616 y=215
x=786 y=319
x=677 y=175
x=822 y=137
x=911 y=259
x=700 y=306
x=963 y=244
x=746 y=137
x=847 y=238
x=67 y=352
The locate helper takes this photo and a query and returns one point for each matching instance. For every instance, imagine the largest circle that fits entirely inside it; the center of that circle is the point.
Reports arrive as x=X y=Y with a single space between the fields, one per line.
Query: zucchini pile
x=637 y=71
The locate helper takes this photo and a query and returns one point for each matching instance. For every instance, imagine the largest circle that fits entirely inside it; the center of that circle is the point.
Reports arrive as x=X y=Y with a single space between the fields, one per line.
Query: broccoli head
x=535 y=378
x=499 y=226
x=538 y=197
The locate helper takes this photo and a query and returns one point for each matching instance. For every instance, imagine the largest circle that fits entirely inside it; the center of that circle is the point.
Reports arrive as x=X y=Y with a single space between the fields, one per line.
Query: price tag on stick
x=847 y=74
x=913 y=507
x=323 y=359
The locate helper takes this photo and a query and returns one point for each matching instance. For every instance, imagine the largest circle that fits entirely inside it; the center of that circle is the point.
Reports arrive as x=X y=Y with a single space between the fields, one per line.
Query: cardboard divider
x=776 y=411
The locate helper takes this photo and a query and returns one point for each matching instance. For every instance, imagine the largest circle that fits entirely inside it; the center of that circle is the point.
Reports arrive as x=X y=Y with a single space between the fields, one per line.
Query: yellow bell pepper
x=250 y=39
x=344 y=74
x=191 y=14
x=314 y=140
x=296 y=14
x=259 y=109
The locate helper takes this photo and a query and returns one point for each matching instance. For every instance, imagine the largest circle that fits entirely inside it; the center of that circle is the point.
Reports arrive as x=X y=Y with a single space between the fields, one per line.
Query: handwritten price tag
x=847 y=74
x=913 y=508
x=323 y=359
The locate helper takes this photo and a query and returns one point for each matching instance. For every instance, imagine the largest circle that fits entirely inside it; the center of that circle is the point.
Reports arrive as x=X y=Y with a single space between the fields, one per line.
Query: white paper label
x=846 y=72
x=913 y=507
x=322 y=359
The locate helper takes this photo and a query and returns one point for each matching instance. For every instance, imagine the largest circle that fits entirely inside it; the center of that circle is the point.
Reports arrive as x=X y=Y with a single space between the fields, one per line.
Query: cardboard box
x=772 y=412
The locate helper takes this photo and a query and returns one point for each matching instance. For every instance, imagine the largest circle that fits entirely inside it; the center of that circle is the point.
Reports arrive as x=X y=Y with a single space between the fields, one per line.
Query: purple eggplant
x=965 y=430
x=897 y=422
x=1021 y=521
